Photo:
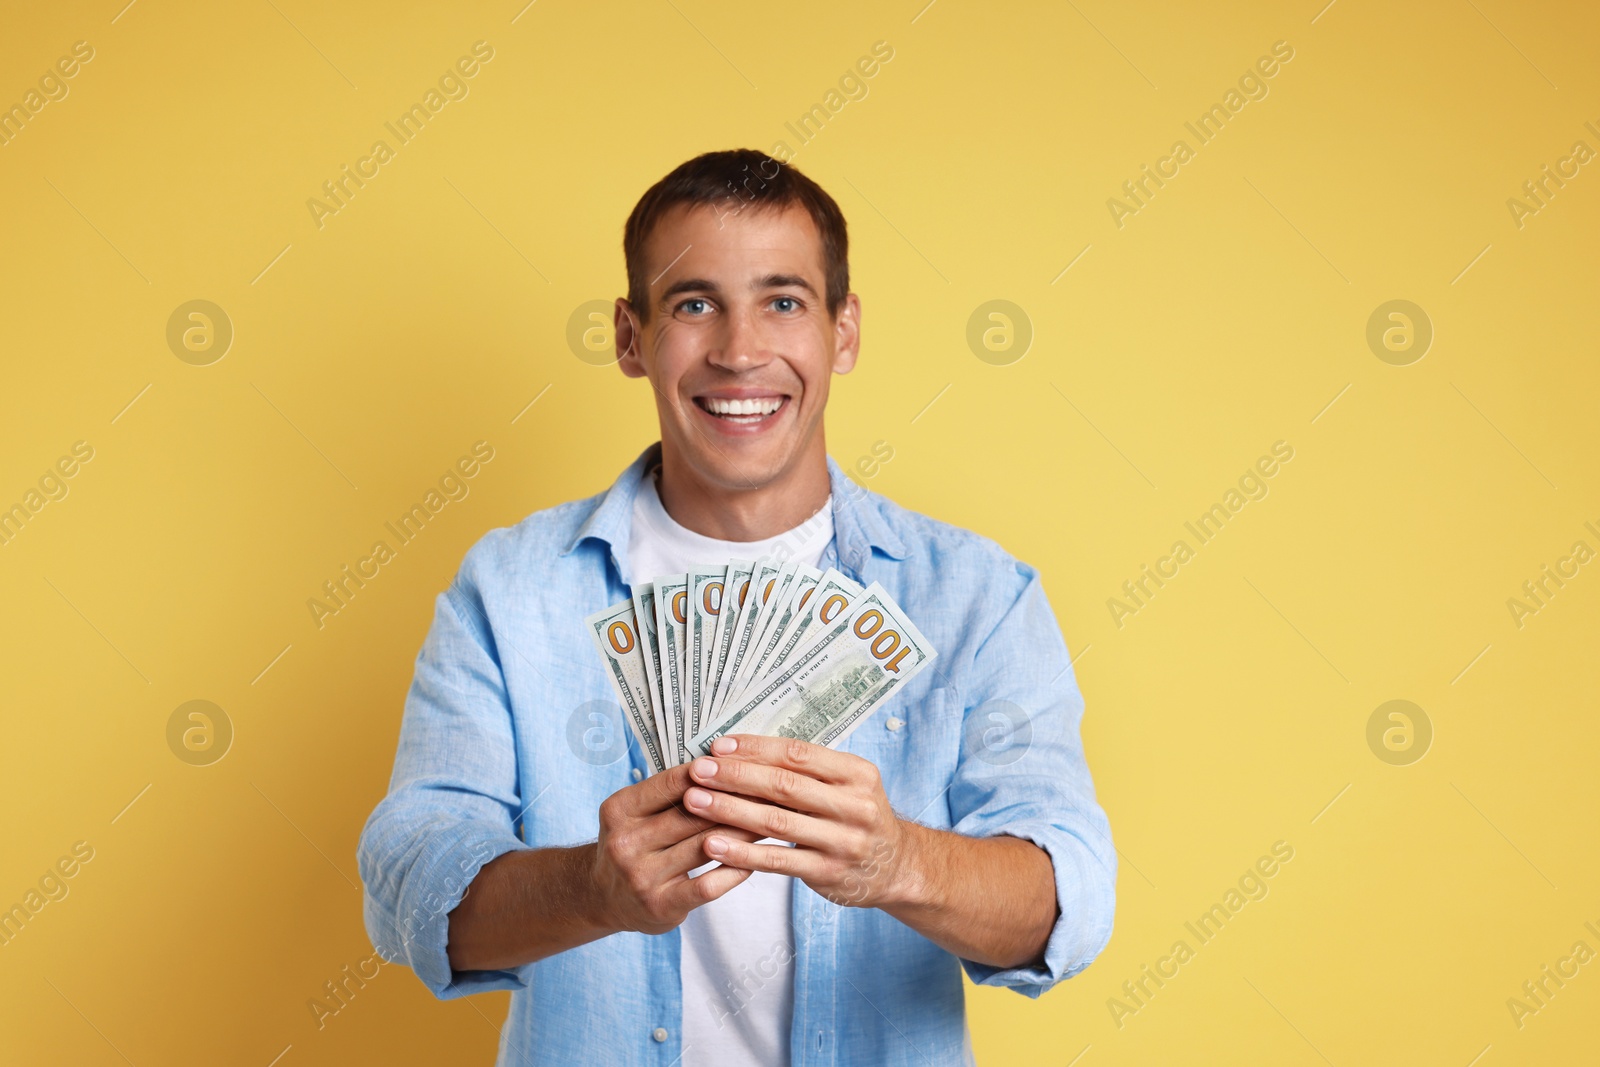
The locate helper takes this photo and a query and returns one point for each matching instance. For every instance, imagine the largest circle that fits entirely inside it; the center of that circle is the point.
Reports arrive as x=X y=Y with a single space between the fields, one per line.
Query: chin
x=737 y=470
x=738 y=465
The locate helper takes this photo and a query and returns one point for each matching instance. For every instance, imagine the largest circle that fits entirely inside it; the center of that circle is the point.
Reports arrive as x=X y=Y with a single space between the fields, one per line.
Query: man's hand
x=990 y=900
x=533 y=903
x=648 y=845
x=830 y=804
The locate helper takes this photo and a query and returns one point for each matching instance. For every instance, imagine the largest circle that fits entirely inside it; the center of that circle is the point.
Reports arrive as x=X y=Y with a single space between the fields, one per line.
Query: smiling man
x=775 y=902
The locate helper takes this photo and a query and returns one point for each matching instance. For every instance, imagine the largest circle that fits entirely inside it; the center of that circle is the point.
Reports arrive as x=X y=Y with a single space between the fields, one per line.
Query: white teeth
x=762 y=406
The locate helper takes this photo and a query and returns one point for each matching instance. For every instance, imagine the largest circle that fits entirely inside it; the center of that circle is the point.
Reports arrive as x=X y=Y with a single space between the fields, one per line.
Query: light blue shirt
x=511 y=739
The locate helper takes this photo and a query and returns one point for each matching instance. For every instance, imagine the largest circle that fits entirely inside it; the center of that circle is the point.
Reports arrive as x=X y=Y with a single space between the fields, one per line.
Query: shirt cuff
x=1085 y=893
x=417 y=934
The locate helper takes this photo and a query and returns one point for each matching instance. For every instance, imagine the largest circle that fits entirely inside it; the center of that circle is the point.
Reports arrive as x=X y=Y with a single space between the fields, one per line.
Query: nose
x=738 y=346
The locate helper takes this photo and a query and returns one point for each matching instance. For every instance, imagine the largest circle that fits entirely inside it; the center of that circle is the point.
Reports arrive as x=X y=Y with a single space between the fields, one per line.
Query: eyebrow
x=767 y=281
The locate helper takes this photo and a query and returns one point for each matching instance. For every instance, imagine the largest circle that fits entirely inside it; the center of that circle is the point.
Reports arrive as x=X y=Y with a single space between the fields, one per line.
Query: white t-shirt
x=738 y=950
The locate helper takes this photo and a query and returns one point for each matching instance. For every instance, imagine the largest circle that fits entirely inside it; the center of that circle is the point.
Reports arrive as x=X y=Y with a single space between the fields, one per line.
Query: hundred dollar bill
x=788 y=611
x=734 y=589
x=832 y=595
x=705 y=607
x=790 y=602
x=672 y=603
x=644 y=610
x=833 y=681
x=772 y=592
x=749 y=618
x=616 y=634
x=770 y=596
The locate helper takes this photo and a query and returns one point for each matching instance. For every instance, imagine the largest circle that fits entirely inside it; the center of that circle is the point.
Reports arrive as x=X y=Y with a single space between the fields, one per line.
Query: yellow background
x=428 y=313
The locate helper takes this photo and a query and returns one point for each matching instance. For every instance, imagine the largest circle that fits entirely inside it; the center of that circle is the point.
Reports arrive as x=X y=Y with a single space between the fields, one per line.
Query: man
x=776 y=902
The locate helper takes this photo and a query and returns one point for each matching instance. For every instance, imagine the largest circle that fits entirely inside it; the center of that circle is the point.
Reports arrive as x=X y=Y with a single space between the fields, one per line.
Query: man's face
x=739 y=346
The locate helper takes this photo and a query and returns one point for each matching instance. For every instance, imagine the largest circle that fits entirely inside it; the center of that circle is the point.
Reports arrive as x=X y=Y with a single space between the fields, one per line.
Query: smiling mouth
x=742 y=412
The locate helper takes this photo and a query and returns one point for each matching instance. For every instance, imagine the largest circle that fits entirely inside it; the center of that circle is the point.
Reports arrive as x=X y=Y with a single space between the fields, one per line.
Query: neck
x=744 y=513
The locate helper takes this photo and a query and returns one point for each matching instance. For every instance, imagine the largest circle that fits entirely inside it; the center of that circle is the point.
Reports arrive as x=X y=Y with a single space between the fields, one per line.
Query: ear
x=629 y=338
x=847 y=335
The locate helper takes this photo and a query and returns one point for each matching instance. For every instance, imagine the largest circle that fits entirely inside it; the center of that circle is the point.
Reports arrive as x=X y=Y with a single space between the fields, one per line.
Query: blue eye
x=692 y=300
x=794 y=304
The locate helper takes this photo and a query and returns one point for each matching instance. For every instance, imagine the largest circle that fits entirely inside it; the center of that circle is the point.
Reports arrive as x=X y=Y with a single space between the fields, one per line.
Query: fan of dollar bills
x=761 y=647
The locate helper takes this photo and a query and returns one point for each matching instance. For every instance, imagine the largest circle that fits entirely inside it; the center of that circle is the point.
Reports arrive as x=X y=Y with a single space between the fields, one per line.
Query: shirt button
x=659 y=1033
x=637 y=774
x=894 y=723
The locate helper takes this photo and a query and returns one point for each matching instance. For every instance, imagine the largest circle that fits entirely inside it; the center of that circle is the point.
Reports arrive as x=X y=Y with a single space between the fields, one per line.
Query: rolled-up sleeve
x=452 y=801
x=1022 y=773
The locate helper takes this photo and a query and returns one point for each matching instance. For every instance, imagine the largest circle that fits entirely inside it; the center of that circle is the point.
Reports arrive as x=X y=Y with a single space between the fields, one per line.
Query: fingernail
x=724 y=746
x=705 y=768
x=716 y=846
x=697 y=798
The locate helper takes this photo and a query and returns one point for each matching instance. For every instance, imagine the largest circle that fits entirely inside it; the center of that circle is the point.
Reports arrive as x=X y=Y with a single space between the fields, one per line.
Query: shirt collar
x=612 y=520
x=858 y=522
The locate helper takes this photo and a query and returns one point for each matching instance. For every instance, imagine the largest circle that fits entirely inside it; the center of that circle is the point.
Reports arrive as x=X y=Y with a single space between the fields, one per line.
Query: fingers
x=663 y=829
x=687 y=893
x=690 y=853
x=803 y=863
x=767 y=820
x=780 y=785
x=813 y=761
x=656 y=793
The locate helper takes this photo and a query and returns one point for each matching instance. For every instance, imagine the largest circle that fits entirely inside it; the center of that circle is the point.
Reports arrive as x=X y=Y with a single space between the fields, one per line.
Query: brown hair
x=730 y=181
